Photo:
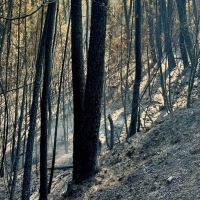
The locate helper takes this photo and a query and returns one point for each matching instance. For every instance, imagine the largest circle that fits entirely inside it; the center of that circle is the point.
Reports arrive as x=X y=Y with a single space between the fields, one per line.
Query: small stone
x=169 y=180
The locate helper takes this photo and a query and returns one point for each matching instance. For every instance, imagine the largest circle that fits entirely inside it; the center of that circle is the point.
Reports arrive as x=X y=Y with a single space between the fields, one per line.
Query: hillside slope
x=163 y=163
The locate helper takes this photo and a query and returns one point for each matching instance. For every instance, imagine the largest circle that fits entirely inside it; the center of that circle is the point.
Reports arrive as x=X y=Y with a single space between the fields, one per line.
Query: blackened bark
x=78 y=83
x=183 y=50
x=166 y=30
x=181 y=5
x=49 y=121
x=151 y=33
x=110 y=143
x=158 y=33
x=151 y=39
x=127 y=14
x=93 y=91
x=138 y=61
x=159 y=50
x=44 y=102
x=33 y=114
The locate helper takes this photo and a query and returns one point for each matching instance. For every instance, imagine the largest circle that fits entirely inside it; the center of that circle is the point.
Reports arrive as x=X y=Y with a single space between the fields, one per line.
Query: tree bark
x=44 y=103
x=78 y=82
x=181 y=5
x=183 y=50
x=166 y=30
x=93 y=93
x=151 y=37
x=138 y=61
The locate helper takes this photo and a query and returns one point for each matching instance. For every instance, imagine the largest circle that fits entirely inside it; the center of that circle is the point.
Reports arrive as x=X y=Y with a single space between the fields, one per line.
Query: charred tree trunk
x=151 y=37
x=44 y=103
x=138 y=57
x=183 y=50
x=93 y=94
x=78 y=83
x=166 y=30
x=181 y=5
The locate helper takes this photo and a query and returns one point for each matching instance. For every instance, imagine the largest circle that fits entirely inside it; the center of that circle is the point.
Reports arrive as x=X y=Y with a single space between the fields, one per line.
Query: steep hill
x=163 y=163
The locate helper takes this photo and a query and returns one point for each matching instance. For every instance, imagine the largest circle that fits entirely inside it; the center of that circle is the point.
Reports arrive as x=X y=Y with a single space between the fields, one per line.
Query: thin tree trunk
x=166 y=30
x=57 y=111
x=151 y=37
x=109 y=142
x=127 y=14
x=17 y=90
x=44 y=102
x=159 y=50
x=138 y=57
x=64 y=120
x=181 y=5
x=149 y=75
x=49 y=121
x=183 y=50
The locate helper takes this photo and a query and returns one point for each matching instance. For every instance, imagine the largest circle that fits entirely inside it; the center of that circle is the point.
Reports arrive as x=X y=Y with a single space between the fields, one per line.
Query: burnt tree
x=78 y=82
x=138 y=61
x=86 y=141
